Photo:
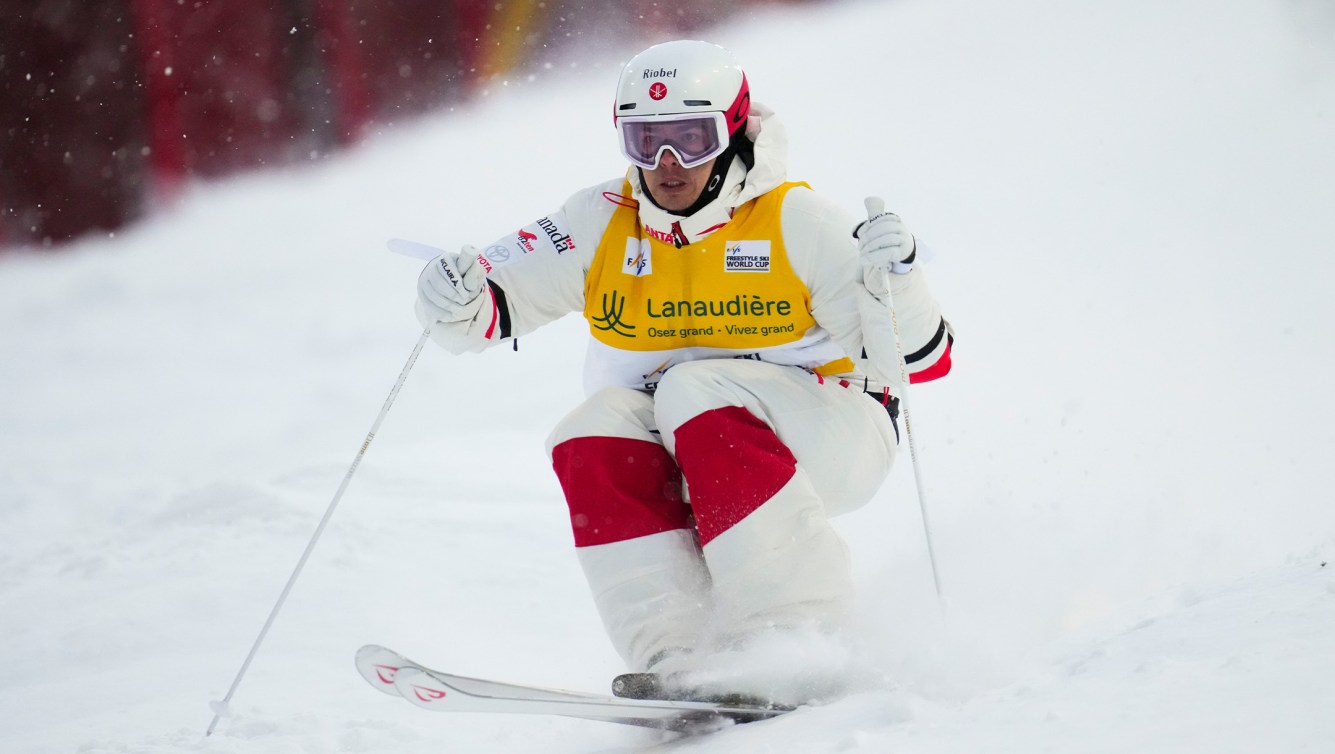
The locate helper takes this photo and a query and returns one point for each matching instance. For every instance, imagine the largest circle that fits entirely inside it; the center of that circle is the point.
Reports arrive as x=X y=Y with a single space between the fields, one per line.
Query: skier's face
x=674 y=186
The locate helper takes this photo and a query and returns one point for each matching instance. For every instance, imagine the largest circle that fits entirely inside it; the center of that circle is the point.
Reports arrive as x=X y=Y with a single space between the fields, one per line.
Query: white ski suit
x=740 y=382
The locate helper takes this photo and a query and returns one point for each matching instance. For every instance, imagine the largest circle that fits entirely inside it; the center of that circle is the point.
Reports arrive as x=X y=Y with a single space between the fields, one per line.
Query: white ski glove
x=450 y=287
x=884 y=246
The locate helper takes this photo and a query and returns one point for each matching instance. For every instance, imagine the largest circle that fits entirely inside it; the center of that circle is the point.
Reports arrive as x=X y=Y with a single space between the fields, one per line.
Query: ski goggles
x=694 y=138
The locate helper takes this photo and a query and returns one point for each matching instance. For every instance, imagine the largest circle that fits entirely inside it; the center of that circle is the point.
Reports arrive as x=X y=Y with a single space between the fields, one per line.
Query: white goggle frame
x=630 y=131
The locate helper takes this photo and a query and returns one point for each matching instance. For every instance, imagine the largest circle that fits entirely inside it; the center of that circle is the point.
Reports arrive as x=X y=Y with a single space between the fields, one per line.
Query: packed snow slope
x=1128 y=475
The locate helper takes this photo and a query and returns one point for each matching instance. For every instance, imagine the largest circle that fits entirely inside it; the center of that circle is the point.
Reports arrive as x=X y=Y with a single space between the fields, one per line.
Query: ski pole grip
x=875 y=206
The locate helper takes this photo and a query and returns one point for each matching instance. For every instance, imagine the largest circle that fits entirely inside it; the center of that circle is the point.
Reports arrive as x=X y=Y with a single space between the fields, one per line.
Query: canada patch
x=746 y=256
x=637 y=261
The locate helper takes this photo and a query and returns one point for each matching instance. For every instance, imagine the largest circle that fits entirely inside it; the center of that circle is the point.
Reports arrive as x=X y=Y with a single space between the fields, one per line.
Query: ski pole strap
x=890 y=403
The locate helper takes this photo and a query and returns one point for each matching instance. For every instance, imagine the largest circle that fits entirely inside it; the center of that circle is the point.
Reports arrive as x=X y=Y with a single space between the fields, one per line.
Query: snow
x=1127 y=475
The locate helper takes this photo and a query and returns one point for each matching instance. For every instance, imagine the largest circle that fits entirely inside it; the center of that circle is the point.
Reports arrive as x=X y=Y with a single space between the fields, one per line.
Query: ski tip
x=380 y=667
x=369 y=649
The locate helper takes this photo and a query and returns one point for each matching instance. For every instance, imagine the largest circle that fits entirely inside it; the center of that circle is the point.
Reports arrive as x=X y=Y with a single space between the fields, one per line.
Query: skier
x=741 y=372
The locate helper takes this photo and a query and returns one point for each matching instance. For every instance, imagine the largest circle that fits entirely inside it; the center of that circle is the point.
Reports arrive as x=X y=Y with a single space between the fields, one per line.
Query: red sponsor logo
x=526 y=240
x=386 y=674
x=658 y=90
x=665 y=237
x=486 y=265
x=428 y=694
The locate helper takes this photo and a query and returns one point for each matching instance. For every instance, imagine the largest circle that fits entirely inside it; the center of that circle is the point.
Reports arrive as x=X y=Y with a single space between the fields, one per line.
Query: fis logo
x=746 y=256
x=637 y=261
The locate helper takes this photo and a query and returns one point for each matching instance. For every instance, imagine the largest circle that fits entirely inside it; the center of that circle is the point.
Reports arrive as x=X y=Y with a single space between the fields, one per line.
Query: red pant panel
x=618 y=488
x=733 y=463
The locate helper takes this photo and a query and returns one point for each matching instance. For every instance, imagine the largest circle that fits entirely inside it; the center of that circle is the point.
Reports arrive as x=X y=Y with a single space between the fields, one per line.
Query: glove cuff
x=905 y=266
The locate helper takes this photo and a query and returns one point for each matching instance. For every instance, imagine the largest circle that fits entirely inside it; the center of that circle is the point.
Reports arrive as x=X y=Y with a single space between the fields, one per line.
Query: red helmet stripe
x=740 y=108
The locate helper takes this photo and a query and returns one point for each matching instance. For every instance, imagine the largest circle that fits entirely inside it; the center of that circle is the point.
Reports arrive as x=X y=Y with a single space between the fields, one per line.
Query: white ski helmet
x=686 y=96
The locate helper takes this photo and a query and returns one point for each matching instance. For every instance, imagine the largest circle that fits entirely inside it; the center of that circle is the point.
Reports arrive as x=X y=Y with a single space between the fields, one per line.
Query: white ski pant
x=764 y=454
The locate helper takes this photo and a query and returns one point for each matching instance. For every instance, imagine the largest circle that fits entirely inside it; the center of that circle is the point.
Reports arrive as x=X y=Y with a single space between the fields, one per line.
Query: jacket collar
x=739 y=186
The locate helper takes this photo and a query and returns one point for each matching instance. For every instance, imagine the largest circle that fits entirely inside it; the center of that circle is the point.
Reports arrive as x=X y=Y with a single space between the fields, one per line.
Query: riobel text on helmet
x=661 y=73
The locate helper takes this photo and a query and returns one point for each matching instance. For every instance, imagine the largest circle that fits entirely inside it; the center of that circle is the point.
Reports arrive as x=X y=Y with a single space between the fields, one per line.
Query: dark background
x=108 y=107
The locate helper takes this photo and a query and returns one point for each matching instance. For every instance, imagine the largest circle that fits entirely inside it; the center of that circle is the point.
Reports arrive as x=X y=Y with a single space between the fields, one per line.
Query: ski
x=396 y=675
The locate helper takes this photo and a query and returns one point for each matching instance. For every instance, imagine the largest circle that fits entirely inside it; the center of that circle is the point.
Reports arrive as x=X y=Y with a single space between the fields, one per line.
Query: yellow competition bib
x=734 y=289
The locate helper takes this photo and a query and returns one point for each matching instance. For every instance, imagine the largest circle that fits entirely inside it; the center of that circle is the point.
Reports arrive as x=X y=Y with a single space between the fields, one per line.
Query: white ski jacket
x=549 y=268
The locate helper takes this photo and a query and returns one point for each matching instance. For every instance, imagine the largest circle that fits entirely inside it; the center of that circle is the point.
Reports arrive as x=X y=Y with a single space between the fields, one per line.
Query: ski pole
x=220 y=708
x=876 y=206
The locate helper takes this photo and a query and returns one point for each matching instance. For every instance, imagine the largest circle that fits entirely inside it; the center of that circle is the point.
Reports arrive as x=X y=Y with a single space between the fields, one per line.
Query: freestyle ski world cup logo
x=746 y=256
